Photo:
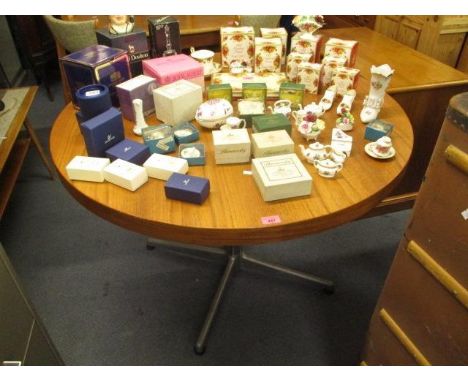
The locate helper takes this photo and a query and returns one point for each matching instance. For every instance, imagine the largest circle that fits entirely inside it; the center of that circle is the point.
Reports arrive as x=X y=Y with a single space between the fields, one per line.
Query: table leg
x=39 y=147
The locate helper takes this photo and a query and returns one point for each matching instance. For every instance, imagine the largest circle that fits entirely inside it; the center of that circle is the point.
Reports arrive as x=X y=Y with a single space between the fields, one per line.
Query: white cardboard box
x=89 y=169
x=341 y=141
x=163 y=166
x=231 y=146
x=126 y=174
x=177 y=102
x=281 y=177
x=272 y=143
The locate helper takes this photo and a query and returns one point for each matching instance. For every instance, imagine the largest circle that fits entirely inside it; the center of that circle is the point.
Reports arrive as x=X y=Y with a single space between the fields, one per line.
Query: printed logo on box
x=109 y=139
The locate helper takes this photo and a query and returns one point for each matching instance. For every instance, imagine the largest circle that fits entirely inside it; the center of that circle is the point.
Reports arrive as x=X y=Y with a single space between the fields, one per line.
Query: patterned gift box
x=336 y=47
x=294 y=93
x=309 y=75
x=294 y=59
x=268 y=54
x=220 y=91
x=279 y=33
x=345 y=79
x=271 y=80
x=307 y=43
x=237 y=44
x=329 y=68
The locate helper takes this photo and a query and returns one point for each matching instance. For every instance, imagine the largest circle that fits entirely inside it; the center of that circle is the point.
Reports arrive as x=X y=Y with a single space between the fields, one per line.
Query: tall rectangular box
x=231 y=146
x=280 y=33
x=177 y=102
x=187 y=188
x=164 y=35
x=309 y=75
x=96 y=64
x=307 y=43
x=268 y=54
x=292 y=64
x=272 y=143
x=140 y=87
x=281 y=177
x=271 y=122
x=102 y=132
x=237 y=44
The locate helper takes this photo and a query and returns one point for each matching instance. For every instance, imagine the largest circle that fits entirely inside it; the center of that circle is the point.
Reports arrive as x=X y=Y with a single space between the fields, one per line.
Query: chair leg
x=39 y=147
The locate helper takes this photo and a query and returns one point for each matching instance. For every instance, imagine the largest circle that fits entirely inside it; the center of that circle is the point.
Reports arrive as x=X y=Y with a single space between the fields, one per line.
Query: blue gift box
x=185 y=153
x=96 y=64
x=93 y=100
x=102 y=132
x=188 y=188
x=159 y=139
x=185 y=132
x=377 y=129
x=129 y=151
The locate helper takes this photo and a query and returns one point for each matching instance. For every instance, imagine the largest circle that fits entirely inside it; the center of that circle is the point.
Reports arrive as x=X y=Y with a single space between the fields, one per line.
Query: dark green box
x=255 y=90
x=293 y=92
x=271 y=122
x=220 y=91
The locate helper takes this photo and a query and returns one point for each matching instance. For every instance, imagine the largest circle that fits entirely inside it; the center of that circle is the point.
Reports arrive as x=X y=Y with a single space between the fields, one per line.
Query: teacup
x=382 y=146
x=204 y=57
x=236 y=67
x=236 y=123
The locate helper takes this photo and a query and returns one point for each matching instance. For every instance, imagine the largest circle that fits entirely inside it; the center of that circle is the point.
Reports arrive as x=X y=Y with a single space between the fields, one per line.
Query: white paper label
x=281 y=169
x=91 y=93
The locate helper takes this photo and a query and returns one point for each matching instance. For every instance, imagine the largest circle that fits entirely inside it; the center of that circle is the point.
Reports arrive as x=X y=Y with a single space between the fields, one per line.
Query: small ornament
x=346 y=120
x=140 y=122
x=308 y=24
x=121 y=24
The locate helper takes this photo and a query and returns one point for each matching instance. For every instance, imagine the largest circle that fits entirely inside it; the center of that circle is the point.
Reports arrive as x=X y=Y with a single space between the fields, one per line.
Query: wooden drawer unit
x=422 y=314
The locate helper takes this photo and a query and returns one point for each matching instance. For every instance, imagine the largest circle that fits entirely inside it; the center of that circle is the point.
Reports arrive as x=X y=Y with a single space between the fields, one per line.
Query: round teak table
x=232 y=215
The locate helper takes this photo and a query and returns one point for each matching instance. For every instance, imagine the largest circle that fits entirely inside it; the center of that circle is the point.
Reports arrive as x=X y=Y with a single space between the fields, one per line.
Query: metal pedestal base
x=236 y=255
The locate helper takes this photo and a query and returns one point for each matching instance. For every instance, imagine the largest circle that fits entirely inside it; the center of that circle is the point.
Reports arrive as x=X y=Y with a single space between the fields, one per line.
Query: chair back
x=259 y=21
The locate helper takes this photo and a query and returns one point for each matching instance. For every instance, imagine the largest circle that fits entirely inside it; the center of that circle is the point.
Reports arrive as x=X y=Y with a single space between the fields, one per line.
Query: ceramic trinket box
x=130 y=151
x=212 y=114
x=125 y=174
x=159 y=139
x=327 y=168
x=193 y=153
x=378 y=129
x=272 y=143
x=231 y=146
x=187 y=188
x=89 y=169
x=185 y=132
x=163 y=166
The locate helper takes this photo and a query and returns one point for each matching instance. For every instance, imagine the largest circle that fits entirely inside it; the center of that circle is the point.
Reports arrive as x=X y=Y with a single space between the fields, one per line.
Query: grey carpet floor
x=107 y=300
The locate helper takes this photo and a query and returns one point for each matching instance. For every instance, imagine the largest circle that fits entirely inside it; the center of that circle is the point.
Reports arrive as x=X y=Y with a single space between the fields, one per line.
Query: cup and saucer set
x=205 y=57
x=381 y=149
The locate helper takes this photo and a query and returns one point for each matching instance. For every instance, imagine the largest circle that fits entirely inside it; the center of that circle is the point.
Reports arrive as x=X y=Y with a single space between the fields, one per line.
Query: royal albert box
x=164 y=36
x=89 y=169
x=293 y=61
x=271 y=122
x=102 y=132
x=309 y=75
x=96 y=64
x=378 y=129
x=130 y=151
x=167 y=70
x=280 y=33
x=159 y=139
x=341 y=141
x=237 y=44
x=163 y=166
x=272 y=143
x=294 y=93
x=271 y=80
x=268 y=53
x=281 y=177
x=177 y=102
x=307 y=43
x=187 y=188
x=330 y=65
x=125 y=174
x=231 y=146
x=220 y=91
x=345 y=79
x=336 y=47
x=140 y=87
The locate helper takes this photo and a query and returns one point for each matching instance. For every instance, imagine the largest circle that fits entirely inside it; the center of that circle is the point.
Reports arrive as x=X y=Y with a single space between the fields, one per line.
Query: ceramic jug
x=327 y=168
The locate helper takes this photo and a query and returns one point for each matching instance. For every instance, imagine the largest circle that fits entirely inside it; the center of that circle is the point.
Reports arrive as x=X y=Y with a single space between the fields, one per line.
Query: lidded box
x=188 y=188
x=307 y=43
x=177 y=102
x=129 y=151
x=272 y=143
x=125 y=174
x=254 y=91
x=96 y=64
x=271 y=122
x=220 y=91
x=173 y=68
x=89 y=169
x=140 y=87
x=231 y=146
x=279 y=33
x=281 y=177
x=163 y=166
x=237 y=44
x=268 y=53
x=336 y=47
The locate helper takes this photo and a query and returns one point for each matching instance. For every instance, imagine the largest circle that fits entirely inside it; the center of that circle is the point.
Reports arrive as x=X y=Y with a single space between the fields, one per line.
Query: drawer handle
x=12 y=363
x=457 y=157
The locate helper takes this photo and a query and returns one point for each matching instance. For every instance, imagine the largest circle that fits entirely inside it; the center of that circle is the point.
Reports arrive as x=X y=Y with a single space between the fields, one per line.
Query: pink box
x=169 y=69
x=336 y=47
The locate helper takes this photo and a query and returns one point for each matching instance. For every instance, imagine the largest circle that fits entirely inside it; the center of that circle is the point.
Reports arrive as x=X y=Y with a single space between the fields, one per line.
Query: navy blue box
x=129 y=151
x=188 y=188
x=96 y=64
x=93 y=100
x=102 y=132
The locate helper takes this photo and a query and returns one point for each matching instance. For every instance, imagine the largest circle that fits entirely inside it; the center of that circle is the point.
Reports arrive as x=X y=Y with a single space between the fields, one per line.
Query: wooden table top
x=413 y=70
x=232 y=213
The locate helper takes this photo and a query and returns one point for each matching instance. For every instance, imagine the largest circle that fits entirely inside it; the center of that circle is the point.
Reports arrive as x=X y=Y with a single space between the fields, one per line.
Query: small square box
x=341 y=141
x=164 y=35
x=129 y=151
x=336 y=47
x=188 y=188
x=307 y=43
x=271 y=122
x=102 y=132
x=272 y=143
x=281 y=177
x=254 y=91
x=163 y=166
x=378 y=129
x=294 y=93
x=87 y=168
x=177 y=102
x=309 y=75
x=125 y=174
x=231 y=146
x=185 y=132
x=140 y=87
x=159 y=139
x=194 y=153
x=220 y=91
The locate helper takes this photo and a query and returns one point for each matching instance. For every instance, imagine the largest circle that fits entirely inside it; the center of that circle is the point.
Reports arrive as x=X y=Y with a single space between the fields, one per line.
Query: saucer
x=216 y=69
x=369 y=148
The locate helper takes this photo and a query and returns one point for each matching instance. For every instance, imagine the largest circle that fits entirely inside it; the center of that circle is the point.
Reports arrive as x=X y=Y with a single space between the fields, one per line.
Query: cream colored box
x=281 y=177
x=89 y=169
x=126 y=174
x=272 y=143
x=281 y=33
x=237 y=44
x=231 y=146
x=177 y=102
x=268 y=53
x=163 y=166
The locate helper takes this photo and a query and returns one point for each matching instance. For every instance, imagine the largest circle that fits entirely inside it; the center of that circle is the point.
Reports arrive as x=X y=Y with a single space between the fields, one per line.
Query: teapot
x=327 y=168
x=338 y=156
x=314 y=108
x=282 y=106
x=315 y=151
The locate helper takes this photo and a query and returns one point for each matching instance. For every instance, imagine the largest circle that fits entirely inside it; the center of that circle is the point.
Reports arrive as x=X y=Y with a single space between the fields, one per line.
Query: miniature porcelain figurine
x=381 y=76
x=311 y=127
x=140 y=122
x=236 y=123
x=121 y=24
x=282 y=106
x=314 y=108
x=327 y=168
x=347 y=101
x=213 y=113
x=315 y=151
x=308 y=23
x=381 y=149
x=346 y=121
x=327 y=100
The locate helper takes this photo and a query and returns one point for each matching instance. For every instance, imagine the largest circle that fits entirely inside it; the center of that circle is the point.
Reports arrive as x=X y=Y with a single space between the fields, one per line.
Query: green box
x=271 y=122
x=294 y=93
x=220 y=91
x=257 y=90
